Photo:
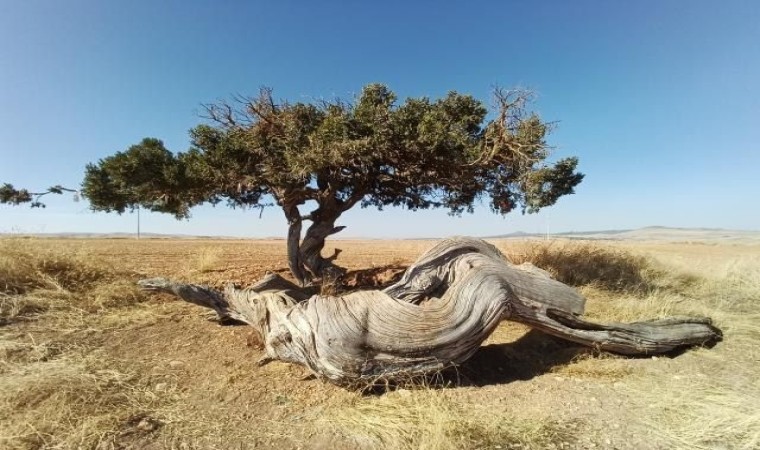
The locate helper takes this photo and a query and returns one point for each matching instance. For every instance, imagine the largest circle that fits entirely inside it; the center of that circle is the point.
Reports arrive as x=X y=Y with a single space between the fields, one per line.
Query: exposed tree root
x=436 y=316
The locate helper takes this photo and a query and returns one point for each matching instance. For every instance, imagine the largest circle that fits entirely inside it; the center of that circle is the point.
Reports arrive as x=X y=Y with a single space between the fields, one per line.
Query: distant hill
x=129 y=236
x=653 y=233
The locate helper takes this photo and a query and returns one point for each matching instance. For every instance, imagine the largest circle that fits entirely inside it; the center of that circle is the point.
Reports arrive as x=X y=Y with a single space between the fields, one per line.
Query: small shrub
x=582 y=264
x=36 y=278
x=24 y=268
x=208 y=259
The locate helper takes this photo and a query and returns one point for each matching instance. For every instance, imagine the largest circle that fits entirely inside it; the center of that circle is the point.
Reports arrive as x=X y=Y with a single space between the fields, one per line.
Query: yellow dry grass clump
x=716 y=404
x=586 y=264
x=58 y=390
x=75 y=399
x=36 y=279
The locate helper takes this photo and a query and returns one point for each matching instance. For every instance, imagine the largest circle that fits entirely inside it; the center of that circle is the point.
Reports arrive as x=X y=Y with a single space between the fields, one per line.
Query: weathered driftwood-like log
x=436 y=316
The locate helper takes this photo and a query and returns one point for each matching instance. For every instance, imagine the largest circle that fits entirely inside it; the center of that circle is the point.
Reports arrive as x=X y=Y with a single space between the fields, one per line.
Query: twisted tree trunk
x=312 y=245
x=436 y=316
x=305 y=258
x=295 y=263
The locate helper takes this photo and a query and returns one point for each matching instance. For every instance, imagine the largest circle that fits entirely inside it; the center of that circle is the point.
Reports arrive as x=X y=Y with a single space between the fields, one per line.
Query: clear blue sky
x=660 y=100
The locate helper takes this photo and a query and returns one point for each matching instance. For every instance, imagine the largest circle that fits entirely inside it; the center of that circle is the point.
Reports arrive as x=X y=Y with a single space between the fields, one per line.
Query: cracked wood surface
x=440 y=312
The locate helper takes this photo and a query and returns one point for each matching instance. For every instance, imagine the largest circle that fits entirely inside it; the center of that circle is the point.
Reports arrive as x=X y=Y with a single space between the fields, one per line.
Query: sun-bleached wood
x=439 y=313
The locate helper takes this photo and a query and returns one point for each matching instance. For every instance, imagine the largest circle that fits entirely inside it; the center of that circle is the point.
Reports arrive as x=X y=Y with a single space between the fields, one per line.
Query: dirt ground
x=192 y=383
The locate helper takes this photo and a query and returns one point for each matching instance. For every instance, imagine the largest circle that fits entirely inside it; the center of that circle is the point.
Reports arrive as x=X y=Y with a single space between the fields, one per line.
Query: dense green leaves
x=13 y=196
x=147 y=175
x=9 y=194
x=377 y=151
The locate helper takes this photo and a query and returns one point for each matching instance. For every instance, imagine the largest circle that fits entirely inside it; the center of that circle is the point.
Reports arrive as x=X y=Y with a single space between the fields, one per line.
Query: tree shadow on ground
x=374 y=278
x=533 y=354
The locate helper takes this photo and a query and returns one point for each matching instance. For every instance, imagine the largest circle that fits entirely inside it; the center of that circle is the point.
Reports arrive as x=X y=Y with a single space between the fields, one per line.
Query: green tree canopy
x=375 y=152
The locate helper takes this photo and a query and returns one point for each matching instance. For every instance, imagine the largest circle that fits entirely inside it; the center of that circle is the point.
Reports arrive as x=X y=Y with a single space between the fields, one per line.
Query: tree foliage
x=376 y=151
x=13 y=196
x=147 y=175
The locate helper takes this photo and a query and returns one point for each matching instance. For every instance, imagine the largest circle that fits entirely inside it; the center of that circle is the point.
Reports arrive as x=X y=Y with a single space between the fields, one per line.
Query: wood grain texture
x=438 y=314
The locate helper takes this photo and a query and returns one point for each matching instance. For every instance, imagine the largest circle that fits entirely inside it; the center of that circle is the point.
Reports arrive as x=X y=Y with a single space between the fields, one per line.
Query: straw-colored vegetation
x=712 y=402
x=431 y=419
x=58 y=388
x=89 y=361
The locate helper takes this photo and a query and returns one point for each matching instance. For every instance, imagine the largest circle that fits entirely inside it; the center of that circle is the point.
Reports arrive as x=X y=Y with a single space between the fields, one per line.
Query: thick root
x=436 y=316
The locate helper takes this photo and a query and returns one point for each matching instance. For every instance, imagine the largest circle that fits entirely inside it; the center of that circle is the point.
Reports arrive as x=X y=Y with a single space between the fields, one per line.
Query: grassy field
x=89 y=361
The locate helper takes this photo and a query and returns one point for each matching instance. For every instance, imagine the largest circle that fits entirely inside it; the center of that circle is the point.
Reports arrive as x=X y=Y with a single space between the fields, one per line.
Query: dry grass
x=597 y=366
x=601 y=266
x=715 y=405
x=714 y=408
x=70 y=398
x=59 y=390
x=207 y=259
x=427 y=419
x=37 y=279
x=24 y=268
x=707 y=399
x=710 y=399
x=64 y=383
x=588 y=264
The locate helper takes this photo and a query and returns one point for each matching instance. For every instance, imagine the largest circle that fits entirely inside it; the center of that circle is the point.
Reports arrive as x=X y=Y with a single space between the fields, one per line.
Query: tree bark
x=436 y=316
x=295 y=262
x=305 y=258
x=312 y=245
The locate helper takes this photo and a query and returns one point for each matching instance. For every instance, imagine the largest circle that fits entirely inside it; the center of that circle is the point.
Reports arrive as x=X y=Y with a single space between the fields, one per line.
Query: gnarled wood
x=312 y=245
x=437 y=315
x=305 y=258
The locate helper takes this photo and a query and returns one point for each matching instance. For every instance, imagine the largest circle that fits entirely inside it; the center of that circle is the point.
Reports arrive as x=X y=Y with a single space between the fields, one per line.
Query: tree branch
x=13 y=196
x=352 y=200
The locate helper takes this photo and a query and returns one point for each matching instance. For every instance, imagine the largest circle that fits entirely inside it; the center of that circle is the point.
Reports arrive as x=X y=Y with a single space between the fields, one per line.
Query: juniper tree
x=376 y=151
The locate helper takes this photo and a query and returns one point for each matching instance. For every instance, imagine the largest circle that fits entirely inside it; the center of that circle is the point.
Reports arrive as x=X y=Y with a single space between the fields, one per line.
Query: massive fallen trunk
x=436 y=316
